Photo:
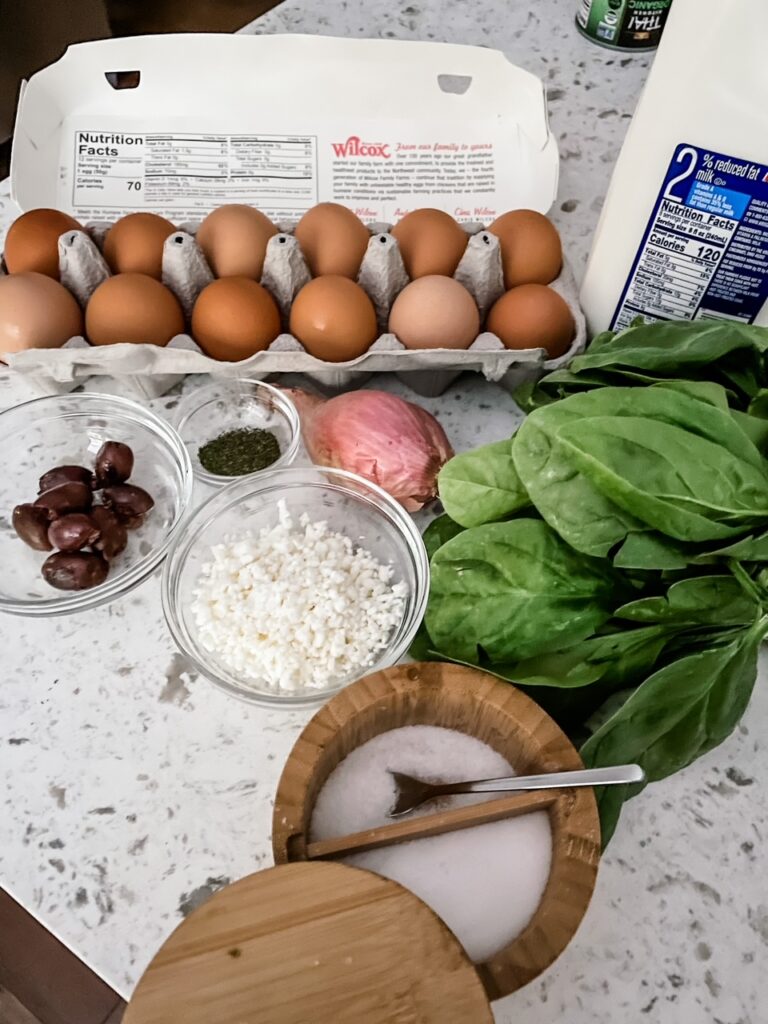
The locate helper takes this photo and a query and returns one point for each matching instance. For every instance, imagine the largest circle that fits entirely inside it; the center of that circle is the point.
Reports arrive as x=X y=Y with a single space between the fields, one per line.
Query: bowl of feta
x=284 y=587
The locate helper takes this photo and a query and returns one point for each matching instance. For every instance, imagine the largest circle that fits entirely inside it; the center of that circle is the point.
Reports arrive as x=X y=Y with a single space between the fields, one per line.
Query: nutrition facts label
x=190 y=172
x=704 y=254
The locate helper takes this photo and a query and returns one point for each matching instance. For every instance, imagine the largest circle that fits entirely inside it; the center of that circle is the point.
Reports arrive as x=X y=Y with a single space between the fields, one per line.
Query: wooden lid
x=317 y=942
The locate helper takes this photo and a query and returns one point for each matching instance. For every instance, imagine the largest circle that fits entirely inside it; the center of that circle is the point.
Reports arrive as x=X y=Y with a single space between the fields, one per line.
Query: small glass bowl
x=69 y=430
x=350 y=505
x=232 y=404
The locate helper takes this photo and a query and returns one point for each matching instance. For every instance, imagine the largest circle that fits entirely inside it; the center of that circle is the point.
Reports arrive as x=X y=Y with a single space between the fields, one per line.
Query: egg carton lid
x=179 y=124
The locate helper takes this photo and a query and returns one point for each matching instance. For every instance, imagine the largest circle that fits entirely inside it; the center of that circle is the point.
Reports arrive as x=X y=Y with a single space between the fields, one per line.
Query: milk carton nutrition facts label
x=704 y=254
x=189 y=172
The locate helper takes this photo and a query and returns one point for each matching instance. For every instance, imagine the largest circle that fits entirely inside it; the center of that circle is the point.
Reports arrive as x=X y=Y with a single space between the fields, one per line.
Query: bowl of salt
x=511 y=875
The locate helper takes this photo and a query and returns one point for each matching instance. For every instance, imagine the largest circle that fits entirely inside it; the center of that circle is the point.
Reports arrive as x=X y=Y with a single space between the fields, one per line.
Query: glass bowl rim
x=123 y=583
x=192 y=402
x=201 y=518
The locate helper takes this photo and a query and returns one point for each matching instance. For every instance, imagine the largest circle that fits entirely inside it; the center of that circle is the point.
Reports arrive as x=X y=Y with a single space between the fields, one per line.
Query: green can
x=632 y=25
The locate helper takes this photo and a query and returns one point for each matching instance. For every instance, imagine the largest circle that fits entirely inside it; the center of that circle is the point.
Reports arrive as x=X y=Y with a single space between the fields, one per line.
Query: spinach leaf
x=439 y=532
x=594 y=498
x=702 y=600
x=674 y=345
x=619 y=658
x=650 y=550
x=684 y=709
x=513 y=590
x=701 y=390
x=610 y=801
x=749 y=549
x=566 y=499
x=672 y=479
x=573 y=683
x=482 y=486
x=759 y=405
x=755 y=428
x=421 y=646
x=728 y=354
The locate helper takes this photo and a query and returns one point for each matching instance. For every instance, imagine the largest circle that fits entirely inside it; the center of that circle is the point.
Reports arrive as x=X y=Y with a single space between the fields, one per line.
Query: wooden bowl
x=495 y=712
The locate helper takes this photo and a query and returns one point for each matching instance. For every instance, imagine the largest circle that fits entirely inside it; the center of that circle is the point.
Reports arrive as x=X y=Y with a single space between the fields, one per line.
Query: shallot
x=391 y=442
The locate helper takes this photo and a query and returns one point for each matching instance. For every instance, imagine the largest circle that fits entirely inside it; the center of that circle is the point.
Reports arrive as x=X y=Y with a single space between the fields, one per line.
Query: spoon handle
x=613 y=776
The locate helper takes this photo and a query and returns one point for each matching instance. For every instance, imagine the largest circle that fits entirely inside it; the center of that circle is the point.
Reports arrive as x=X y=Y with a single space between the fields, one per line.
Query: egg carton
x=149 y=370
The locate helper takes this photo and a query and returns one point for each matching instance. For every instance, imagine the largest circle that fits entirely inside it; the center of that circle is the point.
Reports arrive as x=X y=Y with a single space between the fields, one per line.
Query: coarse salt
x=485 y=882
x=295 y=608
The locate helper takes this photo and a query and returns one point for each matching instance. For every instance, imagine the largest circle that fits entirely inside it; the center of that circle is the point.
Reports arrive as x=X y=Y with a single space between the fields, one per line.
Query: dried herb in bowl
x=239 y=452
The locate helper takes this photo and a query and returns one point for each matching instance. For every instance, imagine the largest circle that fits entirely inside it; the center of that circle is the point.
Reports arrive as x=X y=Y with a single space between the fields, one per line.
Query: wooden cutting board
x=311 y=943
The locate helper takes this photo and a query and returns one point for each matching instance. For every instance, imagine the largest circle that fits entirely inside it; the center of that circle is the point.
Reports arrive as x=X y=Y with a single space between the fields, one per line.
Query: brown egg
x=133 y=308
x=531 y=251
x=36 y=312
x=233 y=318
x=533 y=316
x=334 y=319
x=431 y=242
x=435 y=312
x=333 y=240
x=32 y=242
x=234 y=239
x=134 y=244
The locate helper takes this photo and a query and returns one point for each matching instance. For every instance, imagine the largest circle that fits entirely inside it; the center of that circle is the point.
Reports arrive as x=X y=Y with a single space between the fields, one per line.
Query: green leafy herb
x=513 y=590
x=482 y=486
x=606 y=463
x=614 y=563
x=681 y=711
x=239 y=452
x=439 y=532
x=700 y=601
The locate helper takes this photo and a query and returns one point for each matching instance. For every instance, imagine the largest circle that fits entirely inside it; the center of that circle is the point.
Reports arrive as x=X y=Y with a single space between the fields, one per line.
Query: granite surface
x=131 y=789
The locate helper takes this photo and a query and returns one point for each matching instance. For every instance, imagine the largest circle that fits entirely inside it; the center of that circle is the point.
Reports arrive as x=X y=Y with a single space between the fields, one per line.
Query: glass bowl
x=69 y=430
x=350 y=505
x=232 y=404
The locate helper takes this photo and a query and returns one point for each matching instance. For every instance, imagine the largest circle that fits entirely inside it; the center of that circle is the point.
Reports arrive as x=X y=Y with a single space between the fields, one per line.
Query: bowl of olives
x=93 y=492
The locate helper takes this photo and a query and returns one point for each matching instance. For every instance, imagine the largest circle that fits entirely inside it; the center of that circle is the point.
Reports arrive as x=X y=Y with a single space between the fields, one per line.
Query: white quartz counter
x=131 y=789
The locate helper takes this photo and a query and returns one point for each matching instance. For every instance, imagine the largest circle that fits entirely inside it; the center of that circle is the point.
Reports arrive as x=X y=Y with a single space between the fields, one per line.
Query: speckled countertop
x=131 y=789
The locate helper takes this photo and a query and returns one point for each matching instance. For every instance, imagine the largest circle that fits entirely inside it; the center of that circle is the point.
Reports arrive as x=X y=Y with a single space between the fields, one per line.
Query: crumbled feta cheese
x=295 y=608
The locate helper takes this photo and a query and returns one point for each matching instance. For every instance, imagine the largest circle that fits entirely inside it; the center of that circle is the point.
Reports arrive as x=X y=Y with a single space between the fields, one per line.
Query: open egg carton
x=151 y=370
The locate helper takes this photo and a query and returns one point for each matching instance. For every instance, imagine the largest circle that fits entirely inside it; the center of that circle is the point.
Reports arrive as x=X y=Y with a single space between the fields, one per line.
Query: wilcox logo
x=354 y=147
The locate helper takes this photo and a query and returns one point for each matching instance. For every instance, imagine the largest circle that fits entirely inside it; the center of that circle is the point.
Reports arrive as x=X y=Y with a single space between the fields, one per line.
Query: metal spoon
x=411 y=793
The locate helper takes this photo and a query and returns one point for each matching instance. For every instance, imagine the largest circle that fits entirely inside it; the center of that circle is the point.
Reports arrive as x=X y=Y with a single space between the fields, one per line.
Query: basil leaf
x=482 y=486
x=682 y=710
x=438 y=532
x=514 y=590
x=703 y=600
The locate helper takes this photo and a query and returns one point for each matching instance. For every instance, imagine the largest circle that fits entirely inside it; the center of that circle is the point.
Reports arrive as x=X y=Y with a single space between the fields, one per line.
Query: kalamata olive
x=31 y=524
x=65 y=498
x=114 y=463
x=65 y=475
x=72 y=532
x=113 y=536
x=74 y=570
x=127 y=501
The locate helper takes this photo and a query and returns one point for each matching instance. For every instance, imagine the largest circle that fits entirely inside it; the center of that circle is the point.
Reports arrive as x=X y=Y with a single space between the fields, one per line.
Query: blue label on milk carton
x=704 y=254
